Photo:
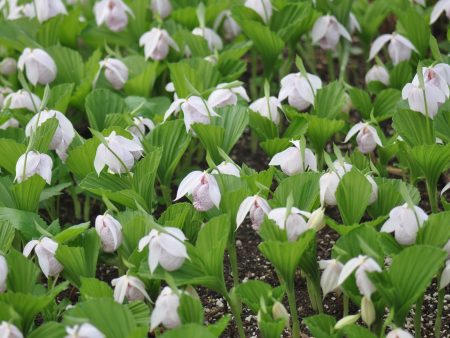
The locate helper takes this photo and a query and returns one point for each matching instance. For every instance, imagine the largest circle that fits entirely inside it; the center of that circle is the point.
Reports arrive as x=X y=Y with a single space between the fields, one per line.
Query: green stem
x=236 y=310
x=418 y=317
x=437 y=323
x=233 y=262
x=330 y=63
x=314 y=295
x=345 y=302
x=76 y=204
x=344 y=56
x=387 y=322
x=87 y=209
x=432 y=196
x=166 y=195
x=293 y=309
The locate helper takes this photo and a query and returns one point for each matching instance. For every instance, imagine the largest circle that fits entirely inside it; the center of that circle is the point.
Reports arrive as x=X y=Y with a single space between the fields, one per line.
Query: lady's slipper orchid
x=162 y=7
x=116 y=72
x=140 y=124
x=119 y=154
x=377 y=73
x=23 y=99
x=8 y=330
x=64 y=134
x=230 y=27
x=362 y=265
x=204 y=190
x=165 y=311
x=47 y=9
x=399 y=47
x=110 y=232
x=33 y=163
x=291 y=160
x=294 y=223
x=227 y=168
x=10 y=123
x=367 y=137
x=113 y=13
x=257 y=207
x=224 y=95
x=299 y=90
x=165 y=248
x=85 y=330
x=268 y=108
x=399 y=333
x=332 y=269
x=45 y=250
x=38 y=65
x=212 y=38
x=195 y=109
x=405 y=222
x=157 y=43
x=262 y=7
x=440 y=7
x=327 y=31
x=129 y=287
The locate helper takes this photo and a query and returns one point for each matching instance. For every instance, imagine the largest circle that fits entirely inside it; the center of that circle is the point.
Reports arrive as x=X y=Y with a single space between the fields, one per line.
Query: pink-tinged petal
x=378 y=44
x=374 y=133
x=29 y=247
x=137 y=283
x=320 y=28
x=354 y=130
x=45 y=59
x=349 y=267
x=244 y=209
x=214 y=191
x=189 y=183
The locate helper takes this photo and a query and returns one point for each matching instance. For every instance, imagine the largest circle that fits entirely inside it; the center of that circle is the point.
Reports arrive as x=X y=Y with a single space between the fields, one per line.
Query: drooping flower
x=362 y=265
x=33 y=163
x=230 y=27
x=165 y=311
x=85 y=330
x=257 y=207
x=327 y=31
x=23 y=99
x=212 y=38
x=195 y=109
x=440 y=7
x=332 y=269
x=162 y=7
x=109 y=230
x=399 y=333
x=10 y=123
x=45 y=250
x=8 y=66
x=291 y=160
x=113 y=13
x=3 y=273
x=21 y=11
x=299 y=90
x=38 y=65
x=119 y=154
x=399 y=47
x=317 y=219
x=227 y=168
x=156 y=44
x=405 y=222
x=293 y=222
x=225 y=95
x=140 y=124
x=47 y=9
x=8 y=330
x=262 y=7
x=165 y=248
x=268 y=107
x=367 y=137
x=129 y=287
x=116 y=72
x=204 y=190
x=377 y=73
x=64 y=134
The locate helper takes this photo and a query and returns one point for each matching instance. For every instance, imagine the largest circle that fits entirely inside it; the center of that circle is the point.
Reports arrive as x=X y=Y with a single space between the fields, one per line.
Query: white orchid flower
x=33 y=163
x=195 y=109
x=47 y=9
x=157 y=43
x=113 y=13
x=20 y=11
x=377 y=73
x=224 y=95
x=162 y=7
x=8 y=330
x=294 y=223
x=362 y=265
x=204 y=190
x=109 y=230
x=353 y=23
x=3 y=273
x=165 y=311
x=212 y=38
x=367 y=137
x=38 y=65
x=327 y=31
x=140 y=124
x=299 y=90
x=257 y=207
x=291 y=160
x=405 y=222
x=129 y=287
x=230 y=27
x=8 y=66
x=399 y=333
x=85 y=330
x=10 y=123
x=262 y=7
x=332 y=269
x=23 y=99
x=317 y=219
x=45 y=250
x=268 y=107
x=118 y=155
x=227 y=168
x=116 y=72
x=440 y=7
x=64 y=134
x=399 y=47
x=165 y=248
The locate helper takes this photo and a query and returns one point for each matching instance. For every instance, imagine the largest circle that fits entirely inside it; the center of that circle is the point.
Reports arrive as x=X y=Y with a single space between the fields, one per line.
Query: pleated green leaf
x=330 y=100
x=81 y=158
x=190 y=310
x=442 y=125
x=189 y=330
x=100 y=103
x=22 y=273
x=413 y=127
x=49 y=330
x=60 y=96
x=321 y=326
x=27 y=193
x=320 y=130
x=432 y=161
x=10 y=151
x=69 y=64
x=385 y=103
x=436 y=230
x=263 y=127
x=94 y=288
x=43 y=135
x=24 y=221
x=145 y=175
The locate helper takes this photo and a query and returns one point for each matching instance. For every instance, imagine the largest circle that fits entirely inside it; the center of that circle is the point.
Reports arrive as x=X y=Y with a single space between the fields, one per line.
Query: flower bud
x=230 y=27
x=23 y=100
x=223 y=96
x=399 y=47
x=293 y=223
x=367 y=137
x=8 y=330
x=367 y=311
x=45 y=250
x=330 y=276
x=165 y=311
x=3 y=273
x=38 y=65
x=110 y=232
x=85 y=330
x=327 y=31
x=377 y=73
x=47 y=9
x=204 y=190
x=317 y=219
x=347 y=320
x=226 y=168
x=116 y=72
x=156 y=44
x=129 y=287
x=113 y=13
x=8 y=66
x=299 y=90
x=268 y=107
x=257 y=207
x=262 y=7
x=280 y=312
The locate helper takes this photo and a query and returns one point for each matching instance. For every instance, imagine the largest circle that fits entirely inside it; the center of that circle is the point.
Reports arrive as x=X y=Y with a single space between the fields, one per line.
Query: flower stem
x=293 y=309
x=432 y=196
x=236 y=310
x=345 y=303
x=418 y=317
x=233 y=262
x=437 y=323
x=330 y=63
